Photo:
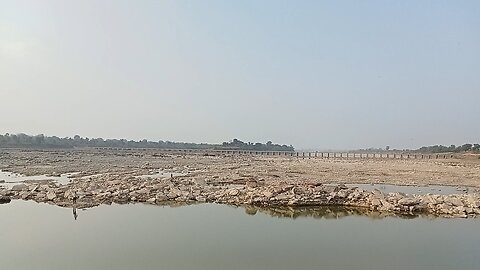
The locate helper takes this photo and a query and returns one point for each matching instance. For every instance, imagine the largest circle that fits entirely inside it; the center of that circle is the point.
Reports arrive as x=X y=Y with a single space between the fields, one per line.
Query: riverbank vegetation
x=450 y=149
x=41 y=141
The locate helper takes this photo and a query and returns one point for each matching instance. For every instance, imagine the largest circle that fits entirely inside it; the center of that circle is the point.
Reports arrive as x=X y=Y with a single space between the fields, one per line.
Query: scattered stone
x=200 y=199
x=151 y=200
x=161 y=198
x=454 y=201
x=408 y=201
x=251 y=184
x=19 y=187
x=24 y=195
x=281 y=197
x=376 y=202
x=106 y=189
x=51 y=195
x=267 y=194
x=386 y=206
x=233 y=192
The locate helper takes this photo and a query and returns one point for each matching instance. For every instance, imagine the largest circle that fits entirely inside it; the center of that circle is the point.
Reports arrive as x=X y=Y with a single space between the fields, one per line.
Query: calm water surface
x=40 y=236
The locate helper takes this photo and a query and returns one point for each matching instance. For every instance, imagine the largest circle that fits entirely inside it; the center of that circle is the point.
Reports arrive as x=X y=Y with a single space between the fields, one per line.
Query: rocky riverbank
x=107 y=189
x=133 y=176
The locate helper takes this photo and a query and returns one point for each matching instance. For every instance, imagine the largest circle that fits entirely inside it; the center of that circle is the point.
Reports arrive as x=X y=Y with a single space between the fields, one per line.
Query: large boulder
x=454 y=201
x=408 y=201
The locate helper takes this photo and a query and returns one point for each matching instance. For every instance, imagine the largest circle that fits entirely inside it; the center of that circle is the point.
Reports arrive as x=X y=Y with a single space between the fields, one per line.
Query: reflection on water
x=207 y=236
x=325 y=212
x=75 y=215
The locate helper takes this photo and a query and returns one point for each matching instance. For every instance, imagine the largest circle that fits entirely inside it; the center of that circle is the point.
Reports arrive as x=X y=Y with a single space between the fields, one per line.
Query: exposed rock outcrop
x=110 y=189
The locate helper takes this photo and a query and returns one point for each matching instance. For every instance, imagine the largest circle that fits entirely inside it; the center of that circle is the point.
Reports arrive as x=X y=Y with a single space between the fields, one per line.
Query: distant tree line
x=372 y=150
x=41 y=141
x=452 y=148
x=269 y=146
x=468 y=147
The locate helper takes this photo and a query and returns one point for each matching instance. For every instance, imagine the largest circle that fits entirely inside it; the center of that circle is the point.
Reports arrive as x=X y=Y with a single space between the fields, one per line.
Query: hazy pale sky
x=315 y=74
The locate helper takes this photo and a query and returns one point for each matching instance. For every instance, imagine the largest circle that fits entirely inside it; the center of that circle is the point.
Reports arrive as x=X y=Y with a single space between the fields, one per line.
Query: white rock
x=281 y=197
x=386 y=206
x=151 y=200
x=233 y=192
x=51 y=195
x=267 y=194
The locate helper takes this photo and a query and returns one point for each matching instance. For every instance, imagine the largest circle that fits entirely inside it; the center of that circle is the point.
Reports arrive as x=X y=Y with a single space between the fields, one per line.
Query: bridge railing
x=296 y=154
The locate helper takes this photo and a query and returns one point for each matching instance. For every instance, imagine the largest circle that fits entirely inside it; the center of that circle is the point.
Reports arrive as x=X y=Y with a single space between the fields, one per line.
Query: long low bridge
x=296 y=154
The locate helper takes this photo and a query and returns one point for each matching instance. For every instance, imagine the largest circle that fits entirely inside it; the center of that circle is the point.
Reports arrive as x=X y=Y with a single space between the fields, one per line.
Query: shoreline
x=105 y=177
x=254 y=194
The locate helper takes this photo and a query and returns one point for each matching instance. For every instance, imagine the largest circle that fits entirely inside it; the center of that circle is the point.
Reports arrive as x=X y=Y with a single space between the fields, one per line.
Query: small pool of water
x=9 y=179
x=418 y=190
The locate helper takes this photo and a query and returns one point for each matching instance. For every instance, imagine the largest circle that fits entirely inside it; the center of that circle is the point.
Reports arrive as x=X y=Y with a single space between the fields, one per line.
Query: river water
x=206 y=236
x=9 y=179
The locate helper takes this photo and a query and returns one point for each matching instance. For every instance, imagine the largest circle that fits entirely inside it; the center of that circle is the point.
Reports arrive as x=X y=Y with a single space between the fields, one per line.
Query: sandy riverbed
x=228 y=168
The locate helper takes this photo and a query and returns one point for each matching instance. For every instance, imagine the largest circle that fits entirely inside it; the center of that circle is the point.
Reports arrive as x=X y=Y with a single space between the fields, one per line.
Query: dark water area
x=207 y=236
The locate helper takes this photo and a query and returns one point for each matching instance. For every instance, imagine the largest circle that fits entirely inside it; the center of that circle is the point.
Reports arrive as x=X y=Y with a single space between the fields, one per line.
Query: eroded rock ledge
x=106 y=190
